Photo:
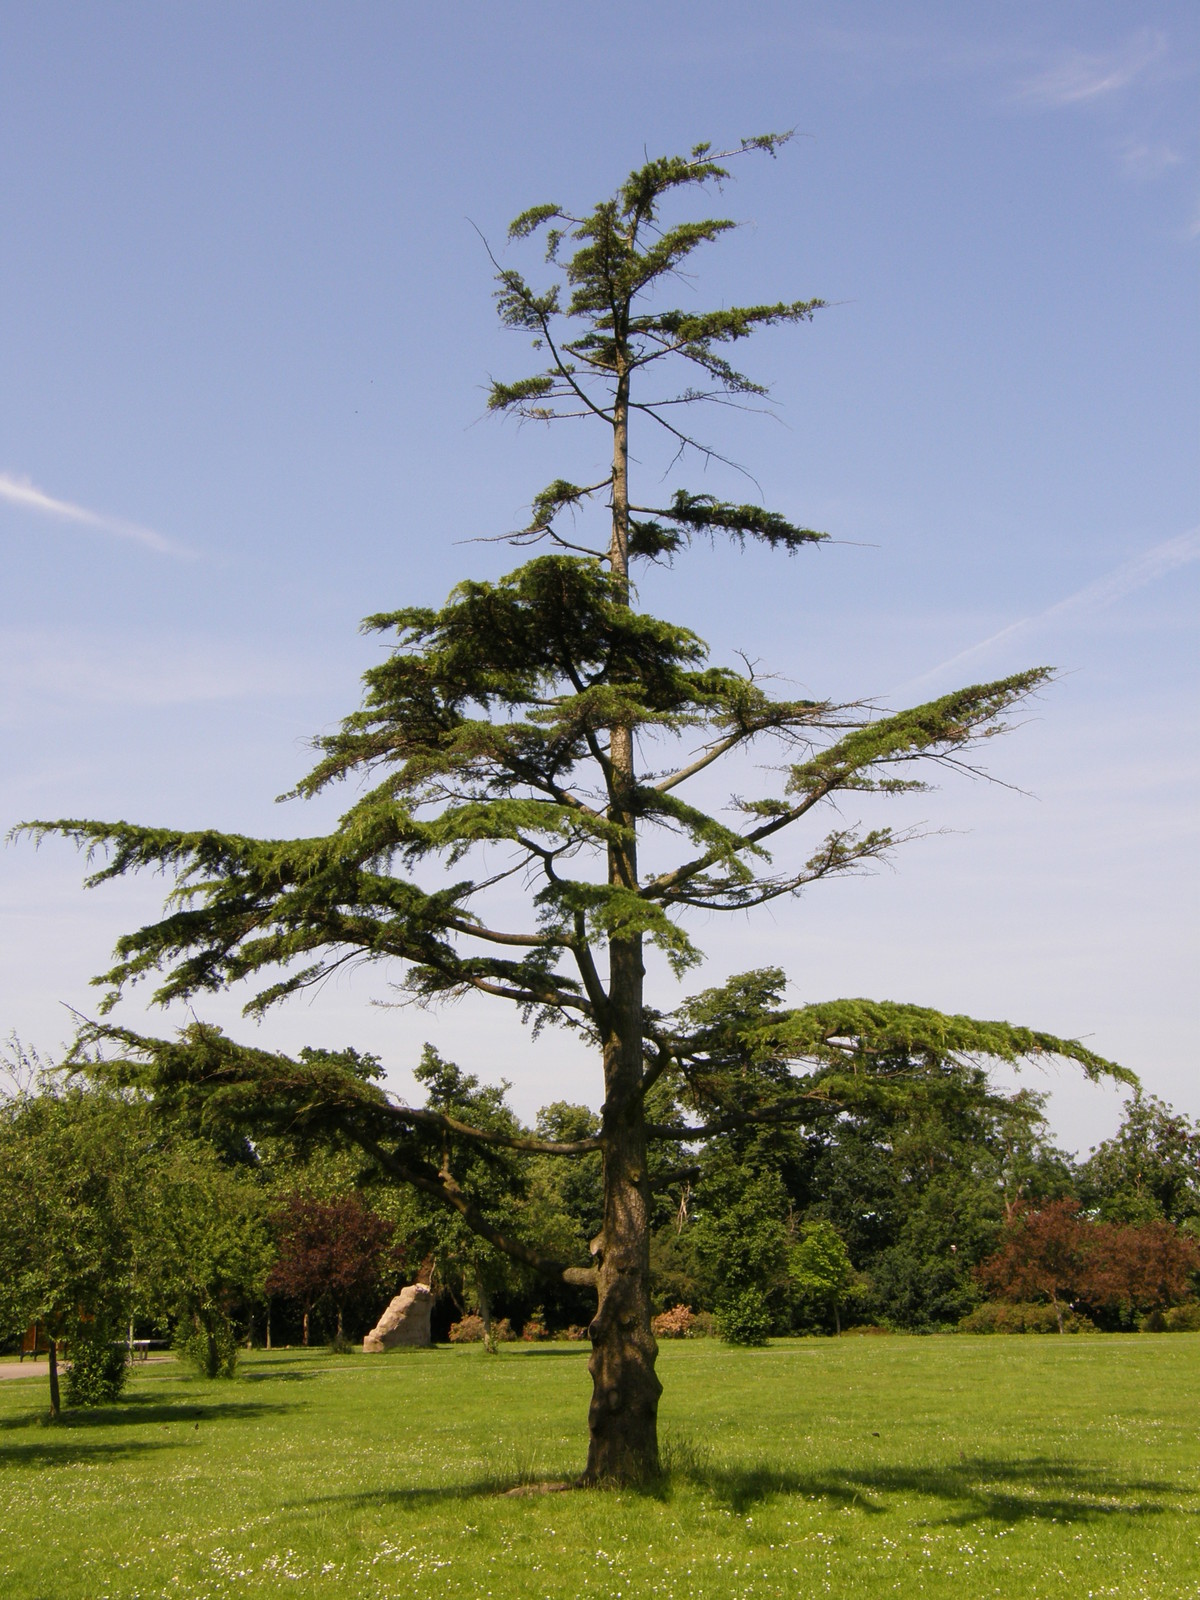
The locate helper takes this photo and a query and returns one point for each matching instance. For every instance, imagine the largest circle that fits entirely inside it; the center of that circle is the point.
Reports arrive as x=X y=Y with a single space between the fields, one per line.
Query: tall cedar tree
x=522 y=727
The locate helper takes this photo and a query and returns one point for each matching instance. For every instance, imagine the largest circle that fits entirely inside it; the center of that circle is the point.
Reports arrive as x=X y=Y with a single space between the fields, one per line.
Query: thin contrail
x=20 y=492
x=1130 y=575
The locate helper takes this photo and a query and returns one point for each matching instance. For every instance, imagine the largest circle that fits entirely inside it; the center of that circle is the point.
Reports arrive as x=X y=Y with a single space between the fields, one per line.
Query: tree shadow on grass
x=984 y=1489
x=975 y=1490
x=275 y=1377
x=571 y=1354
x=56 y=1436
x=420 y=1496
x=54 y=1449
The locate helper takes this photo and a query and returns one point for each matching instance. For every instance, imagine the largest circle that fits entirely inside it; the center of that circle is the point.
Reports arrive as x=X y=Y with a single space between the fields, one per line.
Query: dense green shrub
x=98 y=1368
x=1003 y=1316
x=206 y=1342
x=1184 y=1318
x=745 y=1319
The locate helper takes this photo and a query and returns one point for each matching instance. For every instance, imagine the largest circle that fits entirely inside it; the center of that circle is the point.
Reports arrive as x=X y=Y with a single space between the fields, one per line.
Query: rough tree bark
x=623 y=1416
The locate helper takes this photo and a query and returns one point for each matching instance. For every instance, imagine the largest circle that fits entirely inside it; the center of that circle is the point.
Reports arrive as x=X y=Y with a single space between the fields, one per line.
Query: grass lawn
x=956 y=1466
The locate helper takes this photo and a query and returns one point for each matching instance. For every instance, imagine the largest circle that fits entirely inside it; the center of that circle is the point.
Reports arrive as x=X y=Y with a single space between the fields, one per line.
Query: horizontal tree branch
x=783 y=1113
x=421 y=1116
x=664 y=1180
x=446 y=1193
x=532 y=941
x=706 y=760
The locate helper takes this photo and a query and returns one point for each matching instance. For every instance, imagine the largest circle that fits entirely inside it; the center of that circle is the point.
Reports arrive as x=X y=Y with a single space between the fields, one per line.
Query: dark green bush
x=205 y=1341
x=98 y=1369
x=745 y=1319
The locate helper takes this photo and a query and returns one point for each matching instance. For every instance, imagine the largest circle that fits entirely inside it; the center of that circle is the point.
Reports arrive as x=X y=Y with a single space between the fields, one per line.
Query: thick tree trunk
x=304 y=1335
x=55 y=1401
x=623 y=1416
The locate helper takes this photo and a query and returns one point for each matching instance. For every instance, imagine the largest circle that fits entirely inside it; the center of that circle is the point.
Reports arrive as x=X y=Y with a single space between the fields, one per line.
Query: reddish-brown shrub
x=535 y=1327
x=467 y=1331
x=678 y=1323
x=1059 y=1255
x=329 y=1251
x=1146 y=1266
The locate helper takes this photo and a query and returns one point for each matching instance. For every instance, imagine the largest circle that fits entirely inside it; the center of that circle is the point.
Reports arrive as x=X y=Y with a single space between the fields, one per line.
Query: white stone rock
x=405 y=1322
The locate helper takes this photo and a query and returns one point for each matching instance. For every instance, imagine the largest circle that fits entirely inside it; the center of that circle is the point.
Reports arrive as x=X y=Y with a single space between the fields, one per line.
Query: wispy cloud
x=47 y=673
x=1079 y=77
x=1097 y=596
x=26 y=496
x=1146 y=161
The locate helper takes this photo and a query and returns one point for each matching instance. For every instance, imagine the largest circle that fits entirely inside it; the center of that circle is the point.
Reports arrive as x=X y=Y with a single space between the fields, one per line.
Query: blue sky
x=247 y=328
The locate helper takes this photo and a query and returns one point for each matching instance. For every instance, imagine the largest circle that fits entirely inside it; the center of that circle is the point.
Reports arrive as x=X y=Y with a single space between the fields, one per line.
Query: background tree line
x=952 y=1206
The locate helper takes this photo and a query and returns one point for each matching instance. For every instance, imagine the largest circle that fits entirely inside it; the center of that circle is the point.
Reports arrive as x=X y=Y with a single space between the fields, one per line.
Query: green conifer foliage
x=519 y=734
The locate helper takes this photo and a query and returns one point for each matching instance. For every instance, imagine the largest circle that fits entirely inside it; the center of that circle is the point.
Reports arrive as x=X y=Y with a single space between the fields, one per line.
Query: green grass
x=857 y=1467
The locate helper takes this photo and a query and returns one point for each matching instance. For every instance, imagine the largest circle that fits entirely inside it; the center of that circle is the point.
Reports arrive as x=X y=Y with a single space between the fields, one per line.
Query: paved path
x=41 y=1369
